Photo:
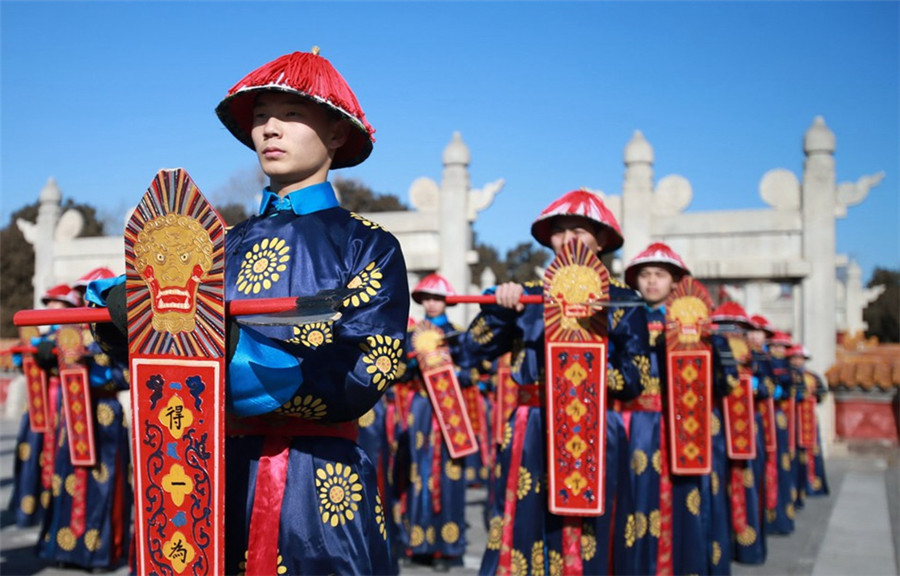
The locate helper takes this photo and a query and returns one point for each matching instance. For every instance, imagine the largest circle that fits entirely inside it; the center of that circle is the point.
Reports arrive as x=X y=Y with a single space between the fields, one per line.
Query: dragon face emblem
x=689 y=313
x=172 y=253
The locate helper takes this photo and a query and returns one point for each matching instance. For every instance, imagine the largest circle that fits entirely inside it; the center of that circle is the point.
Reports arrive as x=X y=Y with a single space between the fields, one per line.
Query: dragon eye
x=185 y=256
x=160 y=257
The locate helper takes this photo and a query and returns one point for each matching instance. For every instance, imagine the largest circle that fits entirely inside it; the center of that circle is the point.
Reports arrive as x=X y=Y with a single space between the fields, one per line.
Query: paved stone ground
x=855 y=531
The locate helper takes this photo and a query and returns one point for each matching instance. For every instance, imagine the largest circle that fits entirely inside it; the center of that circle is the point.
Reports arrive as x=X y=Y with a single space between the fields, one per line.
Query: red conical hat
x=779 y=338
x=96 y=274
x=305 y=74
x=62 y=293
x=798 y=350
x=730 y=313
x=587 y=205
x=761 y=323
x=433 y=285
x=657 y=254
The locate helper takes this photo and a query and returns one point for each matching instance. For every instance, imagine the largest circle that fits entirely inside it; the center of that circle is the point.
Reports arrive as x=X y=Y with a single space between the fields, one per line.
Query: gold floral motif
x=420 y=439
x=382 y=357
x=450 y=532
x=429 y=535
x=27 y=504
x=339 y=492
x=100 y=473
x=367 y=419
x=263 y=265
x=453 y=470
x=614 y=380
x=312 y=335
x=56 y=485
x=66 y=539
x=656 y=459
x=693 y=501
x=24 y=451
x=716 y=553
x=714 y=482
x=379 y=516
x=416 y=536
x=92 y=540
x=556 y=563
x=715 y=425
x=639 y=462
x=518 y=563
x=105 y=415
x=365 y=284
x=480 y=331
x=640 y=525
x=588 y=544
x=789 y=511
x=629 y=531
x=747 y=536
x=308 y=407
x=537 y=557
x=70 y=484
x=786 y=462
x=507 y=435
x=817 y=483
x=45 y=498
x=366 y=222
x=655 y=524
x=781 y=420
x=470 y=474
x=748 y=477
x=617 y=315
x=524 y=484
x=495 y=533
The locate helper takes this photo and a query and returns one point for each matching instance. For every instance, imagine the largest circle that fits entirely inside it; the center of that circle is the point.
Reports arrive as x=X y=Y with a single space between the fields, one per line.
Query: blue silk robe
x=332 y=519
x=780 y=519
x=537 y=534
x=750 y=545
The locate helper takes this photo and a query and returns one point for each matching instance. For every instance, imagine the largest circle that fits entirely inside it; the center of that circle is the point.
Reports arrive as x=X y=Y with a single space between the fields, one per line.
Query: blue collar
x=439 y=321
x=661 y=309
x=304 y=201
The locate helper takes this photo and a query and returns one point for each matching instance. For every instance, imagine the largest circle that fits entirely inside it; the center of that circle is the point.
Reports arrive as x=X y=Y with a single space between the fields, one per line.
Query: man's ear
x=340 y=131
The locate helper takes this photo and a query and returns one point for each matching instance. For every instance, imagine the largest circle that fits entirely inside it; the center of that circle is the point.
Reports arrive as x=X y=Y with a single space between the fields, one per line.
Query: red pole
x=86 y=315
x=491 y=299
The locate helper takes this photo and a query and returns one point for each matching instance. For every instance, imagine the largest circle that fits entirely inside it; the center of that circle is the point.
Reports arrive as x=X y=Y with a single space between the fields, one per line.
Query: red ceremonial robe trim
x=271 y=479
x=511 y=496
x=766 y=408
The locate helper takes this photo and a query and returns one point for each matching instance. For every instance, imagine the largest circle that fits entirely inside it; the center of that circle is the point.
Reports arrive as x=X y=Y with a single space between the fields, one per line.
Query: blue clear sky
x=100 y=95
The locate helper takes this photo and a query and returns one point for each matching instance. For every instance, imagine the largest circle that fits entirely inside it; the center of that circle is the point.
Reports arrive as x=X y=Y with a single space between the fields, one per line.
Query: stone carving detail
x=481 y=198
x=70 y=225
x=673 y=195
x=780 y=189
x=424 y=194
x=852 y=193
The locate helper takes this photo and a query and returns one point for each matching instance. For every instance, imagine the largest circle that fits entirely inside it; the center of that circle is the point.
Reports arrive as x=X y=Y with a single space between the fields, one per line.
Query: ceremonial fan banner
x=76 y=391
x=576 y=346
x=737 y=407
x=439 y=375
x=689 y=363
x=174 y=254
x=36 y=388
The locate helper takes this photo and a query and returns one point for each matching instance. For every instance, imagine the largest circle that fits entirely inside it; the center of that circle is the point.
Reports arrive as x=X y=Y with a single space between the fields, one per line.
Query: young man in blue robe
x=301 y=495
x=523 y=535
